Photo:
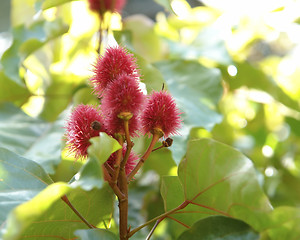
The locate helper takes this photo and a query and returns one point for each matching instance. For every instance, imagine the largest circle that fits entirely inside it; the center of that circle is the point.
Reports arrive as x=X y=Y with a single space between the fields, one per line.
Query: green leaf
x=59 y=95
x=33 y=138
x=294 y=125
x=20 y=180
x=102 y=147
x=26 y=41
x=284 y=223
x=208 y=44
x=54 y=3
x=150 y=75
x=146 y=43
x=95 y=234
x=12 y=92
x=160 y=161
x=90 y=175
x=171 y=187
x=216 y=180
x=166 y=4
x=84 y=95
x=197 y=90
x=218 y=228
x=253 y=77
x=47 y=215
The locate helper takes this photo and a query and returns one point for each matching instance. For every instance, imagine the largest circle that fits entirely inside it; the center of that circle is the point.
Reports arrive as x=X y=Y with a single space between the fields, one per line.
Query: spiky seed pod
x=123 y=95
x=161 y=113
x=116 y=61
x=115 y=125
x=102 y=6
x=84 y=123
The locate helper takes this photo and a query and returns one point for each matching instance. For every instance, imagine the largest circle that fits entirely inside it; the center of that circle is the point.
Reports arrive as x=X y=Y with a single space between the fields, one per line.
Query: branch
x=160 y=217
x=155 y=138
x=123 y=205
x=129 y=144
x=118 y=161
x=153 y=229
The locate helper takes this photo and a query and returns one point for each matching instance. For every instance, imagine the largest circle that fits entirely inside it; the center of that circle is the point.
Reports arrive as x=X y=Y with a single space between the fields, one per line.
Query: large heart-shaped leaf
x=20 y=180
x=215 y=179
x=31 y=137
x=197 y=90
x=46 y=215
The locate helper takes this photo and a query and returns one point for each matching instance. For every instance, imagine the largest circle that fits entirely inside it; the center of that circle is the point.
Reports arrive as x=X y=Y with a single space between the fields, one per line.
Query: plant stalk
x=155 y=138
x=160 y=217
x=123 y=205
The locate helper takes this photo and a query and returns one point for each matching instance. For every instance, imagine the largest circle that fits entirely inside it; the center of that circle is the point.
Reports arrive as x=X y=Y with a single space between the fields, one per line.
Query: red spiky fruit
x=123 y=95
x=161 y=113
x=116 y=61
x=102 y=6
x=114 y=125
x=84 y=123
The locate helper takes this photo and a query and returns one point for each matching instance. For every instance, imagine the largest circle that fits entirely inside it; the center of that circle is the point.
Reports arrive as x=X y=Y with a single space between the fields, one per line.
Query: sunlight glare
x=232 y=70
x=77 y=176
x=267 y=151
x=181 y=8
x=83 y=21
x=270 y=171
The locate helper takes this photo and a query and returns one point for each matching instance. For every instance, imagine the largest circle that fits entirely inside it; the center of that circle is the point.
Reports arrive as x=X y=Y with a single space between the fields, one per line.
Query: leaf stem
x=160 y=217
x=153 y=229
x=118 y=161
x=109 y=169
x=66 y=200
x=129 y=144
x=155 y=138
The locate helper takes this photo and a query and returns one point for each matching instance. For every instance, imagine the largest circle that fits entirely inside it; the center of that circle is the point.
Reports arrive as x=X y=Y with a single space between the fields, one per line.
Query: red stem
x=144 y=157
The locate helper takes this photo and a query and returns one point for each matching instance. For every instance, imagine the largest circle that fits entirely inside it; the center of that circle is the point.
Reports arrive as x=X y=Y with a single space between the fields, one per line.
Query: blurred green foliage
x=232 y=67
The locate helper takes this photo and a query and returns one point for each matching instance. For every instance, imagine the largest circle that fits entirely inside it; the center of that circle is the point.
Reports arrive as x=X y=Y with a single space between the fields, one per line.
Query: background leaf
x=26 y=41
x=45 y=213
x=246 y=72
x=284 y=223
x=54 y=3
x=197 y=90
x=11 y=91
x=207 y=44
x=95 y=234
x=219 y=227
x=20 y=180
x=166 y=4
x=31 y=137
